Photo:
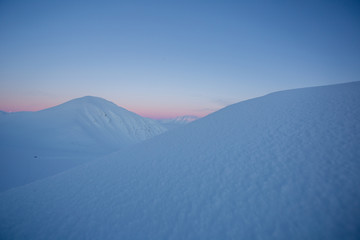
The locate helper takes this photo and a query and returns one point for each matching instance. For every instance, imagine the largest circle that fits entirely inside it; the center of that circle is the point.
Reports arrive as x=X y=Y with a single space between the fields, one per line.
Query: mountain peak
x=87 y=103
x=105 y=118
x=91 y=100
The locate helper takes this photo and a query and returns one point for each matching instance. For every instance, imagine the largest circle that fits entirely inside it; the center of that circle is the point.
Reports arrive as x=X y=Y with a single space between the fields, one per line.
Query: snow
x=39 y=144
x=282 y=166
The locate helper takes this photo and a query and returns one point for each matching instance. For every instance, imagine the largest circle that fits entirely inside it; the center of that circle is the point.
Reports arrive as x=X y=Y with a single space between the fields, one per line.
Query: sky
x=163 y=59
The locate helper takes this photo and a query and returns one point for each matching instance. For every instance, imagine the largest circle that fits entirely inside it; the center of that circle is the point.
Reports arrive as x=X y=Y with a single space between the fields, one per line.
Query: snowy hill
x=171 y=123
x=105 y=122
x=39 y=144
x=282 y=166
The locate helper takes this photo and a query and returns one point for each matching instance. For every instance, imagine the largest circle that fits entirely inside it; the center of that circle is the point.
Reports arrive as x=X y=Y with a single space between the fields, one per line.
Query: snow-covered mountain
x=282 y=166
x=39 y=144
x=171 y=123
x=182 y=119
x=108 y=124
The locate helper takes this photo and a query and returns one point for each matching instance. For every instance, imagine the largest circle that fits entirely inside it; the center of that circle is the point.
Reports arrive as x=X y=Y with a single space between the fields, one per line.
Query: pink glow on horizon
x=154 y=113
x=165 y=113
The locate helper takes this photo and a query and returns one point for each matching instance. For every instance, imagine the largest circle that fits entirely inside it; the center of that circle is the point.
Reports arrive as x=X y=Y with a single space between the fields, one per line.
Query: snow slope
x=282 y=166
x=39 y=144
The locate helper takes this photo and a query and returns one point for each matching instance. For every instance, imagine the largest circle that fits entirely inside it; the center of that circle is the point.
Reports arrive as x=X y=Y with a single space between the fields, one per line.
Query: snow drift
x=282 y=166
x=39 y=144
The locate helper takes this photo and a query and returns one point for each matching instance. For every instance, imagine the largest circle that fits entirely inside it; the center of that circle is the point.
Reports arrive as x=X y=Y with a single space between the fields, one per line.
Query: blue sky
x=168 y=58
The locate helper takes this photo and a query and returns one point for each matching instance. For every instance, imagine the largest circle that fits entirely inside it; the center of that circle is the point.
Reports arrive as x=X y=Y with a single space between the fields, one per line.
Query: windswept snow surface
x=282 y=166
x=38 y=144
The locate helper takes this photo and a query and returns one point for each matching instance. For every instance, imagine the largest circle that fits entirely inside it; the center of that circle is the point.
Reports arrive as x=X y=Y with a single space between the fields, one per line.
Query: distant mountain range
x=282 y=166
x=171 y=123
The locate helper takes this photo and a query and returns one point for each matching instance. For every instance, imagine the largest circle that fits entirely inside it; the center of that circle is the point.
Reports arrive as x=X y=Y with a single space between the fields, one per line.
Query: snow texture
x=39 y=144
x=282 y=166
